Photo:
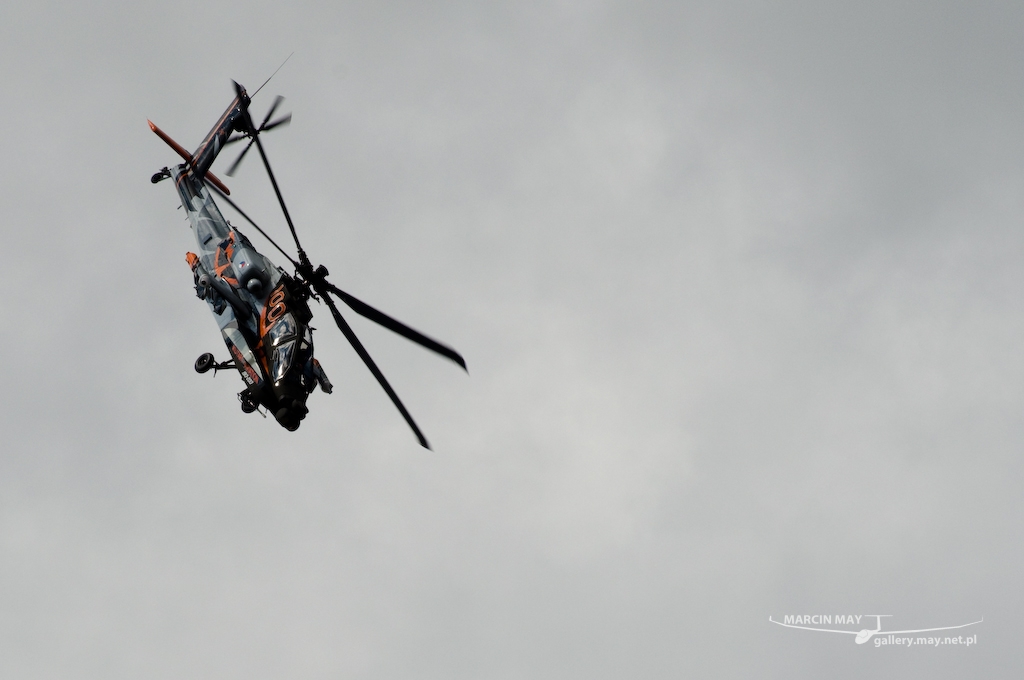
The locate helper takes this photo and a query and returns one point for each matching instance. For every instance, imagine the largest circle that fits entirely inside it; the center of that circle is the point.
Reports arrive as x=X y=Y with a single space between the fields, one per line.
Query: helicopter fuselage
x=263 y=317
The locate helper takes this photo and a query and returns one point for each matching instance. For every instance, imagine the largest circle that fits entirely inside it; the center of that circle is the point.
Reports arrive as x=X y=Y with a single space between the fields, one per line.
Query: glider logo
x=882 y=637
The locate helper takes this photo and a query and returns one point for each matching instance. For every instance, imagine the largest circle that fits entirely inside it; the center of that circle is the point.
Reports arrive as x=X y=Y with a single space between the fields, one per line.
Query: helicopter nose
x=287 y=419
x=291 y=414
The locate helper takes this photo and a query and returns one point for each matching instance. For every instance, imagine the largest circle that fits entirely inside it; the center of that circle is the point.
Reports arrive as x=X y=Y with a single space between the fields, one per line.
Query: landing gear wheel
x=204 y=363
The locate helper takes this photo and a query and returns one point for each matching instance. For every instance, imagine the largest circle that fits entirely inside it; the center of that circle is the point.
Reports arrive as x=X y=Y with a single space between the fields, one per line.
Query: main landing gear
x=247 y=398
x=206 y=361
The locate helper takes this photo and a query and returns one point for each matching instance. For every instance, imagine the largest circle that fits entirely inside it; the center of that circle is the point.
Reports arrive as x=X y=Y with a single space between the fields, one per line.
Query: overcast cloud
x=739 y=286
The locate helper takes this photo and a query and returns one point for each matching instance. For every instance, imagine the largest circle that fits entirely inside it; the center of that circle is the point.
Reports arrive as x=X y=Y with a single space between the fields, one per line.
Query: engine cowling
x=250 y=271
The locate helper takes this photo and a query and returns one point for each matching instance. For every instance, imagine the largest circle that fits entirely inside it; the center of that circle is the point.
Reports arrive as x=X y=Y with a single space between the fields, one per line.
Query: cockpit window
x=282 y=359
x=288 y=345
x=281 y=331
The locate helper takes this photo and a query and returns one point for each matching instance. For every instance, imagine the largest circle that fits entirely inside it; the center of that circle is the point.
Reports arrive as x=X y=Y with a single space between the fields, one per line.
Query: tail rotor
x=265 y=126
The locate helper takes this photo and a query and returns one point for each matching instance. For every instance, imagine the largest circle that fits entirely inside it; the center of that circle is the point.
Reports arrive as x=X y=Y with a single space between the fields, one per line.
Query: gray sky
x=739 y=287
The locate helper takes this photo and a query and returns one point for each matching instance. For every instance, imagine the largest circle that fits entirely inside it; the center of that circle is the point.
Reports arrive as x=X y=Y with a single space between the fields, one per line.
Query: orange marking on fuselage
x=222 y=259
x=274 y=310
x=261 y=356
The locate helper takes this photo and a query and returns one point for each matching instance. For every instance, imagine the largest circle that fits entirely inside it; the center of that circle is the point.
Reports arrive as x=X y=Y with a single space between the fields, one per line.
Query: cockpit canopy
x=290 y=345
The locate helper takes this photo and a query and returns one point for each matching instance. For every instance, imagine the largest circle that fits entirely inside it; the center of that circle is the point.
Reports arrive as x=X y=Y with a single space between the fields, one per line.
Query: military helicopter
x=263 y=312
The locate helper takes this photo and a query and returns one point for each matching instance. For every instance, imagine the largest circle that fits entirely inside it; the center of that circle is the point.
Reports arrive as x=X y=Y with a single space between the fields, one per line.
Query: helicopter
x=263 y=311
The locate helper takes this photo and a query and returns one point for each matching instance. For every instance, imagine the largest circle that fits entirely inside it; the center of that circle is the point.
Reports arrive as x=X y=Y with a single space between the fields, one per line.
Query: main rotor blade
x=280 y=200
x=360 y=307
x=234 y=166
x=361 y=351
x=273 y=107
x=283 y=120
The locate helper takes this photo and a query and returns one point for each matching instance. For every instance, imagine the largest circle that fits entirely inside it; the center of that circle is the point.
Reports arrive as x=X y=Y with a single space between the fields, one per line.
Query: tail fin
x=234 y=119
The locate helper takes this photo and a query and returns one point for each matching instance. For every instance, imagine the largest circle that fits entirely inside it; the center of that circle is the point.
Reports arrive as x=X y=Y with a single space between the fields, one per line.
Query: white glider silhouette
x=866 y=634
